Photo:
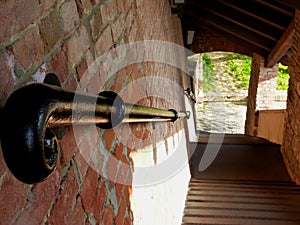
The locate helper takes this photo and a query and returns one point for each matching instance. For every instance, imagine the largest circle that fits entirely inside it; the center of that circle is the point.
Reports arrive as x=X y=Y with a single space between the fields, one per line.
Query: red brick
x=7 y=76
x=108 y=217
x=68 y=146
x=137 y=130
x=94 y=84
x=128 y=221
x=69 y=16
x=22 y=12
x=84 y=6
x=87 y=68
x=117 y=28
x=124 y=6
x=71 y=83
x=119 y=151
x=123 y=133
x=59 y=66
x=96 y=25
x=109 y=11
x=109 y=138
x=82 y=68
x=13 y=197
x=77 y=46
x=62 y=212
x=3 y=167
x=77 y=216
x=124 y=173
x=50 y=30
x=81 y=164
x=104 y=43
x=89 y=189
x=122 y=211
x=44 y=194
x=119 y=191
x=29 y=49
x=121 y=81
x=47 y=4
x=100 y=200
x=111 y=168
x=127 y=192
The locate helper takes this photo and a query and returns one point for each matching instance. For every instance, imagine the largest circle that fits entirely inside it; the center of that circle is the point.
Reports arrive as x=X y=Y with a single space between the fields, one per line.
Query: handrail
x=35 y=115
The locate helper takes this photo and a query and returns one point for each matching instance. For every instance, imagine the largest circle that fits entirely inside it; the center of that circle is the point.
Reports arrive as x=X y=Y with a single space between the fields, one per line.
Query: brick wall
x=266 y=90
x=211 y=40
x=291 y=145
x=93 y=181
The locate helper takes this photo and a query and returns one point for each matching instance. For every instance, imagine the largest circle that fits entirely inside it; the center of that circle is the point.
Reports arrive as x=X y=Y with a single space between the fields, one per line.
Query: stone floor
x=221 y=117
x=224 y=110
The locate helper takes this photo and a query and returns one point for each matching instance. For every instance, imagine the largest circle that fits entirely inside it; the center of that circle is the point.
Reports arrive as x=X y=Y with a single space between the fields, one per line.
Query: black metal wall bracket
x=34 y=118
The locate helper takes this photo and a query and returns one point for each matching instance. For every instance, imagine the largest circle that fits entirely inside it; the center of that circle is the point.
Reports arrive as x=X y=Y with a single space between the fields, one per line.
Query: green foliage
x=208 y=74
x=283 y=78
x=239 y=67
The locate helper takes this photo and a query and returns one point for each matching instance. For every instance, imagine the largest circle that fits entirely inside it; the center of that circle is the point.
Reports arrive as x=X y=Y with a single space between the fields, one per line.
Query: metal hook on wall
x=34 y=118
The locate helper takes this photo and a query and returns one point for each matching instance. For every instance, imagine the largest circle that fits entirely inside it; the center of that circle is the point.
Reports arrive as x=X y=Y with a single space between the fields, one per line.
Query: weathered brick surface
x=51 y=30
x=7 y=76
x=59 y=66
x=47 y=4
x=69 y=15
x=77 y=46
x=14 y=195
x=16 y=15
x=84 y=7
x=96 y=25
x=29 y=49
x=66 y=37
x=291 y=145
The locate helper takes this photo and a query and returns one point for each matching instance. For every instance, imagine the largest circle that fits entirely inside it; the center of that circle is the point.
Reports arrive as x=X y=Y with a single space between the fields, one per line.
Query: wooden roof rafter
x=262 y=26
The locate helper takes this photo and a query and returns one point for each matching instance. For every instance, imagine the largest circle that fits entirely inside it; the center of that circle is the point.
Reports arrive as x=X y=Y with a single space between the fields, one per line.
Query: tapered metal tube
x=34 y=114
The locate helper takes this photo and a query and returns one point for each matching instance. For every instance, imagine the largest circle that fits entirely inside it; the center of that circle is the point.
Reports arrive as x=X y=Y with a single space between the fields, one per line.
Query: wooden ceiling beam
x=279 y=8
x=291 y=3
x=244 y=21
x=194 y=24
x=229 y=27
x=282 y=46
x=253 y=14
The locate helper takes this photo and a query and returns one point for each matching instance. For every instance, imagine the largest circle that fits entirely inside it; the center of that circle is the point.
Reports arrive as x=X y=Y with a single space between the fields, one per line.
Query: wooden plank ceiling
x=262 y=26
